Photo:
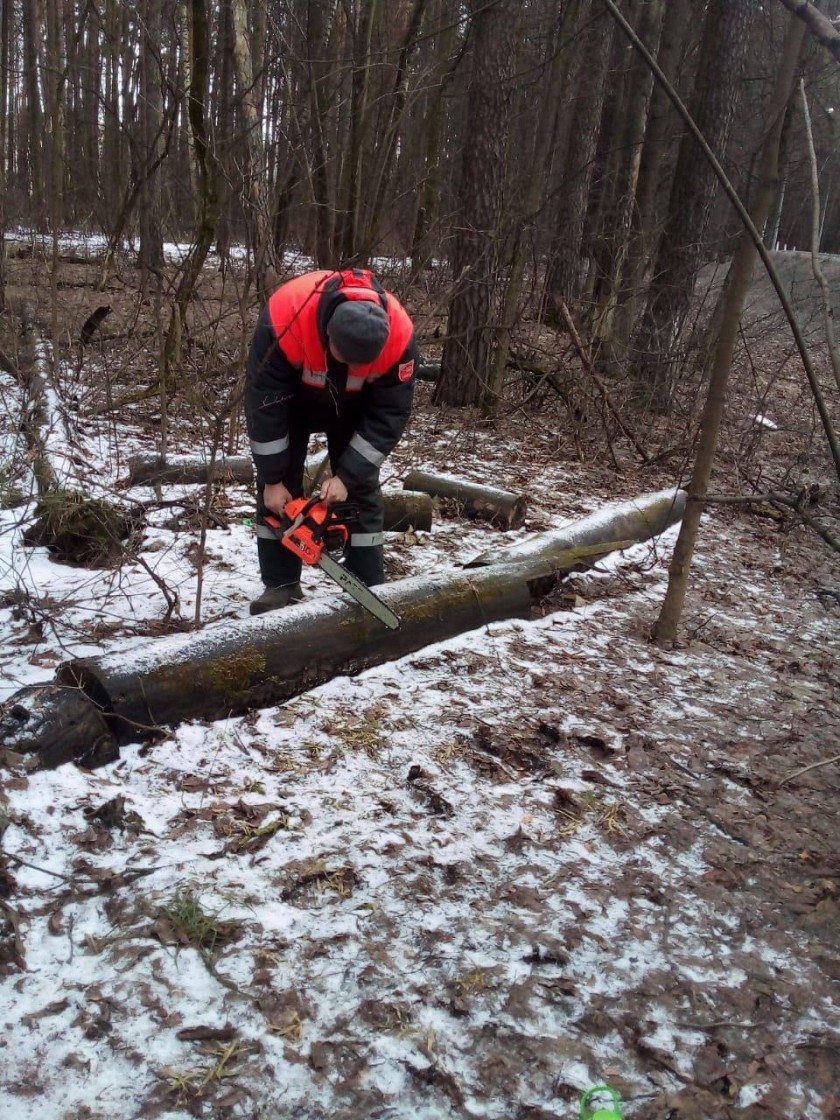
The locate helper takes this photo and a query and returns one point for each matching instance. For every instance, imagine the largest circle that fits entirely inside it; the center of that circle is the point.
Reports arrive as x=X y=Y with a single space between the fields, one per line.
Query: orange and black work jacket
x=290 y=367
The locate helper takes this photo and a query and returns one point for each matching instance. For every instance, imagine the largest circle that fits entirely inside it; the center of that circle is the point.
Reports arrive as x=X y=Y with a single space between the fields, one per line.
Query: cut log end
x=501 y=508
x=49 y=724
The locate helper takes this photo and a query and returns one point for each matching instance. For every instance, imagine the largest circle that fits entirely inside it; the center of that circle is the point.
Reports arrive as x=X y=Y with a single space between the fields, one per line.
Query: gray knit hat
x=359 y=330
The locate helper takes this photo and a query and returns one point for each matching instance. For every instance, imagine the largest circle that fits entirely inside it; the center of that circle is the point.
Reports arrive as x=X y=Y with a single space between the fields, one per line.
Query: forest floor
x=473 y=882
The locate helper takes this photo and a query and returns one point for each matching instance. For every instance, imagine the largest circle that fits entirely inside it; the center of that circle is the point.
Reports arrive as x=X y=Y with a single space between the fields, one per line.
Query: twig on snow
x=805 y=769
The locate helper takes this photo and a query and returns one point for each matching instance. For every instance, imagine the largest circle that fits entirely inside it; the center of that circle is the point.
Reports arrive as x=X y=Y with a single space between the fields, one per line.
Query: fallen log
x=255 y=662
x=189 y=470
x=579 y=544
x=407 y=509
x=404 y=509
x=487 y=503
x=234 y=666
x=38 y=421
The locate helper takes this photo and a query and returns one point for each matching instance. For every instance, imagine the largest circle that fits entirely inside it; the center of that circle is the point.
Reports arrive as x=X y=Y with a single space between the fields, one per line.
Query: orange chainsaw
x=312 y=530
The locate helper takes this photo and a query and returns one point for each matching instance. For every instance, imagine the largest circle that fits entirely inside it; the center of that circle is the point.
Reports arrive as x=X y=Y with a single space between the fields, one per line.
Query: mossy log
x=580 y=544
x=487 y=503
x=96 y=704
x=230 y=667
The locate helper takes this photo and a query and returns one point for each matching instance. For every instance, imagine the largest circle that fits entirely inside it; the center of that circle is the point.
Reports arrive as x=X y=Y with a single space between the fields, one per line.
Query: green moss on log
x=234 y=676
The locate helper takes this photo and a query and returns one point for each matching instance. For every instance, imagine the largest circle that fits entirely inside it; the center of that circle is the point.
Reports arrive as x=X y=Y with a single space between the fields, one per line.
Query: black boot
x=273 y=598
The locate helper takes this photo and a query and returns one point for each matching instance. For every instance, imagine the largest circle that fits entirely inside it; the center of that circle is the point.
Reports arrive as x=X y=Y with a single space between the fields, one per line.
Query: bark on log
x=404 y=509
x=63 y=723
x=247 y=663
x=579 y=544
x=502 y=508
x=188 y=470
x=37 y=420
x=96 y=704
x=185 y=470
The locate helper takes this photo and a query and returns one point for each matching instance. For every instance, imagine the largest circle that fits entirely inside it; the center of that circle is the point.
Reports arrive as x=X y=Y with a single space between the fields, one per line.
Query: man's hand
x=275 y=497
x=333 y=491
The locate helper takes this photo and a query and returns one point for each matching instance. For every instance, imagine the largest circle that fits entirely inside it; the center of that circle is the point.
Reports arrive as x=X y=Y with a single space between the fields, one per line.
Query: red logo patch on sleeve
x=406 y=370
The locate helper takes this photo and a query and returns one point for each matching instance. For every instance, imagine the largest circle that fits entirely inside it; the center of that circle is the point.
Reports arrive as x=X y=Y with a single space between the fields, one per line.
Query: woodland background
x=476 y=880
x=523 y=148
x=514 y=167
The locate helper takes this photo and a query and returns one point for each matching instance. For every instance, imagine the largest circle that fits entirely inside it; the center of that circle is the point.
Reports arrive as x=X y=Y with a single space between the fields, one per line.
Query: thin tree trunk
x=565 y=273
x=208 y=197
x=319 y=13
x=148 y=147
x=32 y=29
x=617 y=226
x=254 y=193
x=431 y=115
x=5 y=44
x=352 y=159
x=644 y=221
x=681 y=247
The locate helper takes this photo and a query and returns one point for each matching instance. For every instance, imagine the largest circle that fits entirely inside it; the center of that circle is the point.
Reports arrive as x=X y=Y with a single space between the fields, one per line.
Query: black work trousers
x=363 y=555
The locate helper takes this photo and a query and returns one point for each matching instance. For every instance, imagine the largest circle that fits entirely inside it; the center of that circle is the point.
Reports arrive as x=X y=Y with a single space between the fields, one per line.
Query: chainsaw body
x=310 y=526
x=311 y=529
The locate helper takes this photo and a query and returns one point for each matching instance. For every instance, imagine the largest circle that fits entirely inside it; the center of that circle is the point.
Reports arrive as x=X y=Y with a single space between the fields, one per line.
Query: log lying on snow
x=404 y=509
x=502 y=508
x=97 y=704
x=407 y=509
x=234 y=666
x=38 y=419
x=579 y=544
x=188 y=470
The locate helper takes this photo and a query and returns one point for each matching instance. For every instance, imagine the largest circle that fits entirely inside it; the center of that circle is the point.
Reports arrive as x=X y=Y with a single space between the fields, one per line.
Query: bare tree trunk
x=208 y=197
x=254 y=173
x=430 y=142
x=32 y=29
x=55 y=131
x=386 y=147
x=738 y=282
x=565 y=272
x=771 y=230
x=540 y=158
x=319 y=15
x=149 y=143
x=644 y=224
x=5 y=44
x=350 y=192
x=680 y=252
x=619 y=204
x=467 y=352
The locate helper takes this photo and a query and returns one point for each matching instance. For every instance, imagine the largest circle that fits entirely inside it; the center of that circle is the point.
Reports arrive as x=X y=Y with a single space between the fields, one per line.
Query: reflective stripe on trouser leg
x=364 y=556
x=365 y=560
x=279 y=566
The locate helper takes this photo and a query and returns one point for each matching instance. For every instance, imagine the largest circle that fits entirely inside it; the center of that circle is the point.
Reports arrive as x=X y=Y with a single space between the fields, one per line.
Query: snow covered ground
x=469 y=883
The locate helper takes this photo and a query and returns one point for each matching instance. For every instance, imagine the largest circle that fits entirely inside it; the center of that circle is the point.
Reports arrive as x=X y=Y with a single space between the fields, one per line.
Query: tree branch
x=818 y=24
x=775 y=499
